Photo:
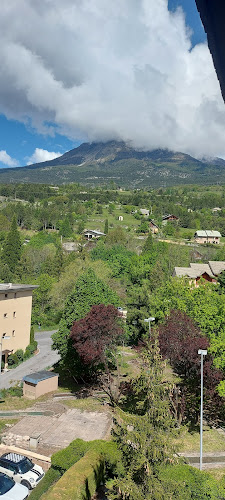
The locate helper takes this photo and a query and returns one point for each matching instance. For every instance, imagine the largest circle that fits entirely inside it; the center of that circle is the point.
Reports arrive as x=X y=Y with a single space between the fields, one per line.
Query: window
x=6 y=295
x=13 y=333
x=5 y=315
x=14 y=314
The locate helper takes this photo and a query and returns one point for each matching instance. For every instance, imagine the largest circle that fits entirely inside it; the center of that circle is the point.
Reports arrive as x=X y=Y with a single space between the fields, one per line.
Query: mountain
x=100 y=163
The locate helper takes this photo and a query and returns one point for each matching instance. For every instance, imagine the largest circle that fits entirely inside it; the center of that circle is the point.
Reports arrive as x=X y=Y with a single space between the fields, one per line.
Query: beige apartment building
x=15 y=315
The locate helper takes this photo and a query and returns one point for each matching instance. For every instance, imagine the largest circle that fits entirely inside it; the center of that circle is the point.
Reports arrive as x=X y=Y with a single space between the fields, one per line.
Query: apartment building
x=15 y=315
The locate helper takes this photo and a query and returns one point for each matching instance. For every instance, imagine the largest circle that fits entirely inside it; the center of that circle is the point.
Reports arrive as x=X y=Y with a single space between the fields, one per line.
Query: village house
x=153 y=226
x=15 y=314
x=144 y=212
x=169 y=218
x=90 y=234
x=195 y=272
x=207 y=237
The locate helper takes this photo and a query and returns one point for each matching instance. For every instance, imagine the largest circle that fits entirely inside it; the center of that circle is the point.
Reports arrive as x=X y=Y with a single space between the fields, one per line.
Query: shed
x=39 y=383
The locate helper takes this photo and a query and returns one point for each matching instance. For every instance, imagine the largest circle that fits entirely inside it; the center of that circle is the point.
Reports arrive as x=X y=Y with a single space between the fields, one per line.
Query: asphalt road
x=44 y=359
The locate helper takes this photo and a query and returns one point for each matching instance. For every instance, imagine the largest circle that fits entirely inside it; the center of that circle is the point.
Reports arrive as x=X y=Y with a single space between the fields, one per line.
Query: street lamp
x=2 y=338
x=148 y=320
x=203 y=352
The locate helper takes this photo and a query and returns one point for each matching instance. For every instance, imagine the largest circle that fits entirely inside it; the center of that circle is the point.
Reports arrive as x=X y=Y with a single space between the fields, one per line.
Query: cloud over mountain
x=40 y=155
x=103 y=70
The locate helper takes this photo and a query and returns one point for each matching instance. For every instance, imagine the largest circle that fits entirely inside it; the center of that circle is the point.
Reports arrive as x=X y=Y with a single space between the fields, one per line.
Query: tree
x=94 y=338
x=88 y=291
x=12 y=247
x=106 y=229
x=180 y=339
x=144 y=434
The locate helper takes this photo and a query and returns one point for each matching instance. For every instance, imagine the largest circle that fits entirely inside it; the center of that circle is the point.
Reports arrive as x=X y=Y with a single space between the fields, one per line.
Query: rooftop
x=14 y=287
x=36 y=377
x=208 y=234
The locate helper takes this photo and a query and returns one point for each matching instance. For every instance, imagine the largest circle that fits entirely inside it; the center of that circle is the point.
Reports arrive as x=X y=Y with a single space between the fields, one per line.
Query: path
x=44 y=359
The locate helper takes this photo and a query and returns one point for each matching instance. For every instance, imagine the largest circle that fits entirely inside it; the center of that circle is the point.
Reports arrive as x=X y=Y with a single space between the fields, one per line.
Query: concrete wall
x=15 y=318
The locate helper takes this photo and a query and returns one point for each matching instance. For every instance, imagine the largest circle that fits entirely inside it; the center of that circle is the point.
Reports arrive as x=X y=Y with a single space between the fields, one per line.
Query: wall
x=17 y=308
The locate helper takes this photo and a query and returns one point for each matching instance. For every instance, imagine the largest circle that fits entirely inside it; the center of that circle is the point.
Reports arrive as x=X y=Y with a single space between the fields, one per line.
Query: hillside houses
x=196 y=271
x=207 y=236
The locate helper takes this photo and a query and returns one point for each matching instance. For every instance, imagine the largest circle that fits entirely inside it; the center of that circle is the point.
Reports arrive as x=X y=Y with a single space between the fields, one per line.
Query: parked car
x=9 y=490
x=21 y=469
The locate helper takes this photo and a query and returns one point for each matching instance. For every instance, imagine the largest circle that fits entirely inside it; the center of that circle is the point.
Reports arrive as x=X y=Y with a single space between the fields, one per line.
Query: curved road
x=44 y=359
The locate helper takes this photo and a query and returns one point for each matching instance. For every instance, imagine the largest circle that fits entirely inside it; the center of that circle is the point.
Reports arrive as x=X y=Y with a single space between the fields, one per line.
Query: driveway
x=44 y=359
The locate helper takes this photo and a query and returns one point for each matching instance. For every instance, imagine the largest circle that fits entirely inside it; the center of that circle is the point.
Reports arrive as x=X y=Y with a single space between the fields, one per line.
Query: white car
x=21 y=469
x=9 y=490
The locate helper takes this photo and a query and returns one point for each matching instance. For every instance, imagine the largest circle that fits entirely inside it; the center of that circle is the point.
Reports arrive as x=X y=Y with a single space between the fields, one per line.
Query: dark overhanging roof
x=212 y=13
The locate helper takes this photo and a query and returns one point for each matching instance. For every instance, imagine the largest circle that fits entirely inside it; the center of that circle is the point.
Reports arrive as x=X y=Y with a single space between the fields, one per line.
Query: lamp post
x=203 y=352
x=148 y=320
x=2 y=338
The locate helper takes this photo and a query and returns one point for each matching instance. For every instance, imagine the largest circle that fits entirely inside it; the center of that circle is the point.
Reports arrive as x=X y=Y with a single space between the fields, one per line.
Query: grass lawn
x=190 y=441
x=217 y=473
x=87 y=404
x=11 y=403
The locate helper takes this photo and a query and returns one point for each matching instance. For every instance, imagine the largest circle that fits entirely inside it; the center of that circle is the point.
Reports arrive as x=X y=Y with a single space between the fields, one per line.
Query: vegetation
x=132 y=269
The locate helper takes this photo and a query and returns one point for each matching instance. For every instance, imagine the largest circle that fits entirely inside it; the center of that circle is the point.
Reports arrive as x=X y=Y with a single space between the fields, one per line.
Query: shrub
x=13 y=359
x=30 y=349
x=20 y=355
x=183 y=481
x=12 y=391
x=51 y=476
x=80 y=481
x=64 y=459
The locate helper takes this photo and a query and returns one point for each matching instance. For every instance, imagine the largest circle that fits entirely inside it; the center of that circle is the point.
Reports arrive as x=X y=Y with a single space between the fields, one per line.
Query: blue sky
x=108 y=73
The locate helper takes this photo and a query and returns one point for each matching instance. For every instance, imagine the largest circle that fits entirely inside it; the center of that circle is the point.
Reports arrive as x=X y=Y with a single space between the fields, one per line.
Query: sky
x=96 y=70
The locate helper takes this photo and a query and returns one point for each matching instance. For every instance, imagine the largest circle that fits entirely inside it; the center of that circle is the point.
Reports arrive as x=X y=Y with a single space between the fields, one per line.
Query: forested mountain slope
x=100 y=163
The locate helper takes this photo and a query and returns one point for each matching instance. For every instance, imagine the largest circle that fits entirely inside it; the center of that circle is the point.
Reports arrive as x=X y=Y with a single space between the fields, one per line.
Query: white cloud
x=7 y=160
x=40 y=155
x=110 y=70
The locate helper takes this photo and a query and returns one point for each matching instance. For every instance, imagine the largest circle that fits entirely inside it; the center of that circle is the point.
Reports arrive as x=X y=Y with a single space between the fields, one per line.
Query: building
x=212 y=237
x=90 y=234
x=195 y=272
x=144 y=212
x=15 y=314
x=39 y=383
x=120 y=218
x=169 y=218
x=153 y=226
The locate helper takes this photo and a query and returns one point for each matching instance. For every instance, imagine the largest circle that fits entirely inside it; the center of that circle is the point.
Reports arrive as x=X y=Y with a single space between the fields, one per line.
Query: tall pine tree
x=12 y=247
x=144 y=435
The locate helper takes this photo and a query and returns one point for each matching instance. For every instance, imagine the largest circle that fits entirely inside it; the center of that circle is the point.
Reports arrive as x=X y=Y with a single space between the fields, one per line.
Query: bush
x=30 y=349
x=183 y=481
x=64 y=459
x=12 y=391
x=13 y=359
x=51 y=476
x=20 y=355
x=80 y=481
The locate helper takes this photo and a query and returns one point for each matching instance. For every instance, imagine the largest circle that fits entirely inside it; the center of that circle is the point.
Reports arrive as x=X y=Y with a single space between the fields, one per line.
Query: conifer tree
x=144 y=434
x=106 y=229
x=12 y=247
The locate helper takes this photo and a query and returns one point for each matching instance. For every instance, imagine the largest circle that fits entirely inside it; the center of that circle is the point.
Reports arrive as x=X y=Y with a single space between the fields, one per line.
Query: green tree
x=144 y=435
x=106 y=228
x=88 y=291
x=12 y=247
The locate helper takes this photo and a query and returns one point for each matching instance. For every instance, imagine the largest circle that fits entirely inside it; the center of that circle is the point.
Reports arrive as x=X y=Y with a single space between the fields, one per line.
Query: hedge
x=186 y=482
x=63 y=460
x=51 y=476
x=80 y=481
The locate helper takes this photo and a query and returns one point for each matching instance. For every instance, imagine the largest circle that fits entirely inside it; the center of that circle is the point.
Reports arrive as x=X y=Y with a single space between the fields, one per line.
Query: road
x=44 y=359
